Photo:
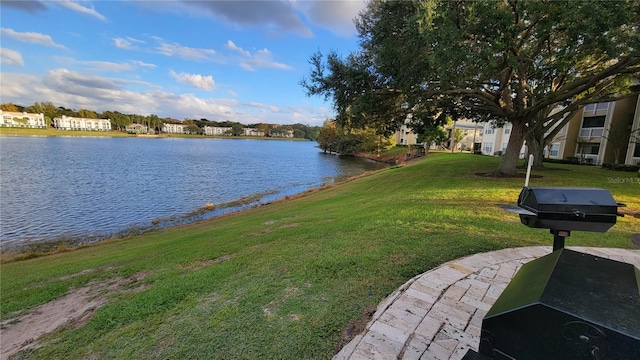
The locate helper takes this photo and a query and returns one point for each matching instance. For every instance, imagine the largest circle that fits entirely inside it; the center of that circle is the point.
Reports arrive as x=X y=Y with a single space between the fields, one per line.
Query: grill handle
x=621 y=205
x=578 y=213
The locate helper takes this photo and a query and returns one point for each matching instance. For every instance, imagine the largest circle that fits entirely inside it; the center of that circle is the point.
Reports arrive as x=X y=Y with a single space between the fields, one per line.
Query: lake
x=83 y=189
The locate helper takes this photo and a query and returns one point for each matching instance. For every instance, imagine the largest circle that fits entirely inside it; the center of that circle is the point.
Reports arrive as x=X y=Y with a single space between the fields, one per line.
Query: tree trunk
x=510 y=157
x=535 y=147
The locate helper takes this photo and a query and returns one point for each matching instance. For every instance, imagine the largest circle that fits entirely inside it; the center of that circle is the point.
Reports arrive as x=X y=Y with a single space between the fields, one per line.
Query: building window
x=636 y=151
x=555 y=149
x=504 y=147
x=507 y=129
x=593 y=122
x=487 y=148
x=489 y=131
x=597 y=107
x=591 y=149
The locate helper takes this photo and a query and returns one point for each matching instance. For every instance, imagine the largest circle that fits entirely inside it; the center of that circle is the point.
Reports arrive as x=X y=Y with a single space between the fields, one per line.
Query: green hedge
x=621 y=167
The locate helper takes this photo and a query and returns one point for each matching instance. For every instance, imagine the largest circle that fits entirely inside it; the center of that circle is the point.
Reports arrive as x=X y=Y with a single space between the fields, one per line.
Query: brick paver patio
x=438 y=315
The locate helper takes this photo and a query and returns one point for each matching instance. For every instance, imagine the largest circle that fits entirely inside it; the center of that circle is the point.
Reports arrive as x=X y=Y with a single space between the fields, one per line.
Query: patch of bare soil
x=629 y=212
x=201 y=264
x=78 y=305
x=354 y=329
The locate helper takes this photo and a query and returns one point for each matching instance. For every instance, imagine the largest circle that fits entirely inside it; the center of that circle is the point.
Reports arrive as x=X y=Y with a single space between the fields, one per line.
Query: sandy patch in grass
x=201 y=264
x=77 y=306
x=273 y=306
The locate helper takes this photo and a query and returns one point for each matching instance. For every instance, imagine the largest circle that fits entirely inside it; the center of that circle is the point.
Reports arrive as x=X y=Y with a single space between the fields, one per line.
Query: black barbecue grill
x=562 y=210
x=565 y=305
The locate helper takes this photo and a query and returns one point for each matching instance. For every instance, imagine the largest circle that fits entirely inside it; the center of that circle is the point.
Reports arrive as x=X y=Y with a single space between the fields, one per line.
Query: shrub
x=569 y=160
x=573 y=160
x=621 y=167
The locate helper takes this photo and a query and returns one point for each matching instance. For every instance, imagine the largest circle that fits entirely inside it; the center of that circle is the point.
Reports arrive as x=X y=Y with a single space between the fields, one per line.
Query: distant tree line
x=120 y=121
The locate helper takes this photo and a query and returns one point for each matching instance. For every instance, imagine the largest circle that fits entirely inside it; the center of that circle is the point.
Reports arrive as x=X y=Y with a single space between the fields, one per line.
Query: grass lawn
x=285 y=280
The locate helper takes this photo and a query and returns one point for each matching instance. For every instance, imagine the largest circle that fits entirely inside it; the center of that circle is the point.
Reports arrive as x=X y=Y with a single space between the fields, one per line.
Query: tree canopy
x=9 y=107
x=530 y=63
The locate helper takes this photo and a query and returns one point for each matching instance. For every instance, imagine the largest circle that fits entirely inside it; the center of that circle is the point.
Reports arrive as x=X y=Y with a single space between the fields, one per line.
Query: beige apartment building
x=602 y=133
x=22 y=119
x=633 y=150
x=83 y=124
x=472 y=133
x=597 y=134
x=170 y=128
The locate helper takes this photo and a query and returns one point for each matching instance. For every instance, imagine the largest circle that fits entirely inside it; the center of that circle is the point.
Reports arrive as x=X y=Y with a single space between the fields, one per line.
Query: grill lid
x=566 y=208
x=566 y=199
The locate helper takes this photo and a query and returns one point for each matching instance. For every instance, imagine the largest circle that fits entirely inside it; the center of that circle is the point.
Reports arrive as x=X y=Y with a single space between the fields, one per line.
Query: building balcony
x=589 y=133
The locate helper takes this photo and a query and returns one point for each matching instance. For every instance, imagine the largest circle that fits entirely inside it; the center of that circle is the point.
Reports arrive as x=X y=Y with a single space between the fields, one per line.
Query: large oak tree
x=529 y=63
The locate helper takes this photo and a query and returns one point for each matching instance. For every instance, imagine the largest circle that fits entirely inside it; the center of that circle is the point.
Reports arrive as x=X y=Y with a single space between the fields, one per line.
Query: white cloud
x=239 y=50
x=31 y=37
x=127 y=43
x=117 y=67
x=10 y=57
x=262 y=59
x=143 y=64
x=198 y=108
x=75 y=6
x=195 y=80
x=110 y=66
x=184 y=52
x=103 y=66
x=61 y=79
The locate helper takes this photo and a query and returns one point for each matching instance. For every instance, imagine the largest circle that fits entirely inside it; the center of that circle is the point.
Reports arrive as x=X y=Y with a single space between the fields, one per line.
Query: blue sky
x=220 y=60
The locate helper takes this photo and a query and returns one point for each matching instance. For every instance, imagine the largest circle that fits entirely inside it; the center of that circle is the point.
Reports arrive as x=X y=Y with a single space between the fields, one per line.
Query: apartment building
x=598 y=134
x=217 y=130
x=83 y=124
x=251 y=132
x=496 y=139
x=601 y=133
x=22 y=119
x=174 y=128
x=633 y=150
x=472 y=133
x=405 y=136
